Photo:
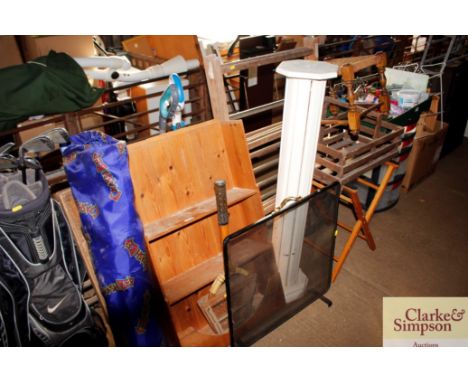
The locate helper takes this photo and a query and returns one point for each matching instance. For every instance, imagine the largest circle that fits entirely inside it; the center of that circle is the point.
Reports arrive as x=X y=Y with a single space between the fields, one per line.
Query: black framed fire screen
x=277 y=266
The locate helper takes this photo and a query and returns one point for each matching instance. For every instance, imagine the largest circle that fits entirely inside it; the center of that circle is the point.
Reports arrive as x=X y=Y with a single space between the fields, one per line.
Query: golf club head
x=6 y=148
x=8 y=162
x=37 y=144
x=32 y=163
x=58 y=135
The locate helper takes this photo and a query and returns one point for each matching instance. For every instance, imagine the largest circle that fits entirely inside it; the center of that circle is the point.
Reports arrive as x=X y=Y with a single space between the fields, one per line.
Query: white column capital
x=307 y=69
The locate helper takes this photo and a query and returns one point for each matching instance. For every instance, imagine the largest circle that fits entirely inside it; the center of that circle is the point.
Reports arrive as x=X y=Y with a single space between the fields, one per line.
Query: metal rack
x=431 y=55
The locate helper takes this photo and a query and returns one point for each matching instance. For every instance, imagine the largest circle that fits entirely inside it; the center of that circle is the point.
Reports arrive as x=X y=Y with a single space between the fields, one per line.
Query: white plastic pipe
x=113 y=62
x=176 y=64
x=304 y=95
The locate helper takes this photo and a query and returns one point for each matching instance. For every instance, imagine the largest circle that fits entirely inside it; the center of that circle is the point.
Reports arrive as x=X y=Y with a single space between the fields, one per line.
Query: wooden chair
x=348 y=67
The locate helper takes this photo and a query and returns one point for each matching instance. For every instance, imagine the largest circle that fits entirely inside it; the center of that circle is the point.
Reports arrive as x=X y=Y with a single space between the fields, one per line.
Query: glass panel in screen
x=278 y=266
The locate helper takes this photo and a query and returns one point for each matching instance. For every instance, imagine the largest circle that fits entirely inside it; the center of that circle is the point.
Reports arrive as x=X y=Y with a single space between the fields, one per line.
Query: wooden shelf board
x=180 y=286
x=169 y=224
x=195 y=278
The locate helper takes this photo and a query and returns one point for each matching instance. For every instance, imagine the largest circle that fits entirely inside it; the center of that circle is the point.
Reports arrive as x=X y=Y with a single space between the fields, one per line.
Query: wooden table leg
x=359 y=223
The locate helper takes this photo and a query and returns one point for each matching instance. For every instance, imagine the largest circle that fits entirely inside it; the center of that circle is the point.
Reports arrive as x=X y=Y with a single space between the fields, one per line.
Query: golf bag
x=41 y=274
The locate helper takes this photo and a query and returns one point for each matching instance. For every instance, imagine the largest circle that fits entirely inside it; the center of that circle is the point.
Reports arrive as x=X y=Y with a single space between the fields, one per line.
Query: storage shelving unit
x=173 y=176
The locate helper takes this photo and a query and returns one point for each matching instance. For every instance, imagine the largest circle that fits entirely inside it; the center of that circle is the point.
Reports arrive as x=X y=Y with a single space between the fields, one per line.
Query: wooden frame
x=216 y=69
x=348 y=67
x=173 y=176
x=263 y=143
x=361 y=226
x=342 y=159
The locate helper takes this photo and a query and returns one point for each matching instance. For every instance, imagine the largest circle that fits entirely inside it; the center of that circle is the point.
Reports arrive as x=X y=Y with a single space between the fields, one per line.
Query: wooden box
x=173 y=176
x=339 y=158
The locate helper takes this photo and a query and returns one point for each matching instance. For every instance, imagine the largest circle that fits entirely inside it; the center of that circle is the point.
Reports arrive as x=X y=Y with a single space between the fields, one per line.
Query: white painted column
x=304 y=95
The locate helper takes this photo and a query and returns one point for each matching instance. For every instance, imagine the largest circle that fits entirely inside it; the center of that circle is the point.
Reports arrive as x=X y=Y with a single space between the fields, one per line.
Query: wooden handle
x=221 y=202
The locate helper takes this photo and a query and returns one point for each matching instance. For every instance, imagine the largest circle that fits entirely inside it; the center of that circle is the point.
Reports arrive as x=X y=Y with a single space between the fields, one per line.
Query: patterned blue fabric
x=98 y=174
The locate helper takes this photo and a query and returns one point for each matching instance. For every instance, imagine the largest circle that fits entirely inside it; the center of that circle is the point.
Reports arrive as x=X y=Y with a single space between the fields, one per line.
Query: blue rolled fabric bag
x=97 y=170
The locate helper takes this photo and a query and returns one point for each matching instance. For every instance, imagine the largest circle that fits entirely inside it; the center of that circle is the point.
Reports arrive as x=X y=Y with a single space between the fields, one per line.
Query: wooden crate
x=341 y=159
x=173 y=176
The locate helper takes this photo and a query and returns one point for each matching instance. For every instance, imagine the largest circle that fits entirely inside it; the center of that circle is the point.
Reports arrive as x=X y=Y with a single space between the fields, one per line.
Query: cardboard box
x=9 y=52
x=424 y=156
x=75 y=46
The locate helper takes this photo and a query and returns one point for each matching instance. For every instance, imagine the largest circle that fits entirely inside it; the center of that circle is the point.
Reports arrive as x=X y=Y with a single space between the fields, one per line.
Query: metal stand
x=326 y=301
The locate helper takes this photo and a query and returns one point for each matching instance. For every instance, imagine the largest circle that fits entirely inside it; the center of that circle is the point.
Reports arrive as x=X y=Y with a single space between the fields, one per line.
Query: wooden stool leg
x=353 y=199
x=354 y=117
x=384 y=97
x=358 y=225
x=360 y=215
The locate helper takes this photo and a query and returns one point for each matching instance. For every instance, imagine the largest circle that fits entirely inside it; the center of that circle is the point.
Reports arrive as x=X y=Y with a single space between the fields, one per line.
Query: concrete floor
x=421 y=251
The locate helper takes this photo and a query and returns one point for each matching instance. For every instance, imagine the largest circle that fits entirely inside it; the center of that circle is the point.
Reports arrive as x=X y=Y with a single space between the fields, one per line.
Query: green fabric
x=47 y=85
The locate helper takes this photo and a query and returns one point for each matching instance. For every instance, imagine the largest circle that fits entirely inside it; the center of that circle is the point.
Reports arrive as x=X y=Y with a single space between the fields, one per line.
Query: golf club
x=34 y=164
x=8 y=163
x=58 y=135
x=38 y=144
x=6 y=148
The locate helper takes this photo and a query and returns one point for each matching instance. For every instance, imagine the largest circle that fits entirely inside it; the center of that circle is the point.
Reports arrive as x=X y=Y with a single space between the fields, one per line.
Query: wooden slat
x=272 y=148
x=369 y=165
x=264 y=135
x=328 y=163
x=165 y=226
x=323 y=177
x=382 y=150
x=334 y=138
x=214 y=79
x=263 y=132
x=269 y=163
x=269 y=204
x=266 y=59
x=269 y=192
x=193 y=279
x=358 y=63
x=340 y=145
x=267 y=179
x=324 y=149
